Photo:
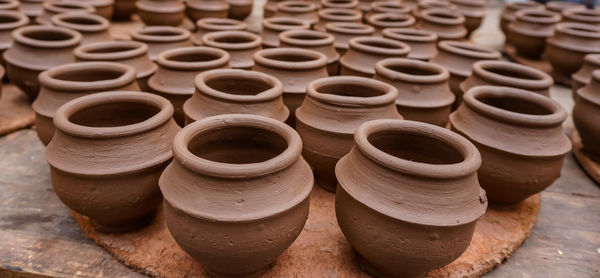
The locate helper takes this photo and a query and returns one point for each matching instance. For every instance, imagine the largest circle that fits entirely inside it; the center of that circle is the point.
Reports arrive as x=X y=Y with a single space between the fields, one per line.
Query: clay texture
x=92 y=27
x=569 y=45
x=390 y=20
x=240 y=45
x=379 y=7
x=422 y=43
x=364 y=52
x=212 y=24
x=161 y=12
x=586 y=115
x=273 y=26
x=447 y=24
x=559 y=6
x=529 y=31
x=161 y=38
x=313 y=40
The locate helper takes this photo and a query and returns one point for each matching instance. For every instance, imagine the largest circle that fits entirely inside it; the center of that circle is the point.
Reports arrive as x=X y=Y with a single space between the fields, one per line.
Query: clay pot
x=124 y=9
x=213 y=24
x=447 y=24
x=508 y=14
x=569 y=45
x=528 y=33
x=345 y=31
x=303 y=10
x=94 y=28
x=231 y=91
x=520 y=137
x=408 y=197
x=161 y=12
x=422 y=43
x=337 y=15
x=161 y=38
x=240 y=9
x=365 y=5
x=9 y=21
x=586 y=115
x=583 y=76
x=339 y=4
x=473 y=11
x=295 y=68
x=241 y=45
x=364 y=52
x=9 y=5
x=270 y=8
x=390 y=20
x=579 y=15
x=54 y=7
x=423 y=91
x=433 y=4
x=273 y=26
x=31 y=8
x=198 y=9
x=559 y=6
x=104 y=8
x=215 y=191
x=130 y=53
x=36 y=49
x=380 y=7
x=64 y=83
x=313 y=40
x=130 y=135
x=334 y=107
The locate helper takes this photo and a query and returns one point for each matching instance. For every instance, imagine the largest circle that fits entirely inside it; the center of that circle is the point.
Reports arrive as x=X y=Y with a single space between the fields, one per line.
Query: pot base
x=589 y=164
x=143 y=221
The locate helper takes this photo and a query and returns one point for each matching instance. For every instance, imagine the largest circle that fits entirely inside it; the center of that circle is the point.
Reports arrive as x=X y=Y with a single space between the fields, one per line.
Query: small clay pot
x=423 y=91
x=104 y=8
x=161 y=12
x=304 y=10
x=313 y=40
x=273 y=26
x=93 y=28
x=433 y=4
x=473 y=11
x=161 y=38
x=31 y=8
x=9 y=5
x=36 y=49
x=583 y=76
x=447 y=24
x=295 y=68
x=508 y=14
x=216 y=187
x=124 y=9
x=334 y=107
x=390 y=20
x=520 y=137
x=529 y=31
x=586 y=115
x=345 y=31
x=241 y=45
x=130 y=135
x=174 y=79
x=198 y=9
x=408 y=197
x=130 y=53
x=364 y=52
x=270 y=8
x=569 y=45
x=339 y=4
x=231 y=91
x=380 y=7
x=579 y=15
x=64 y=83
x=213 y=24
x=240 y=9
x=337 y=15
x=422 y=43
x=54 y=7
x=559 y=6
x=9 y=21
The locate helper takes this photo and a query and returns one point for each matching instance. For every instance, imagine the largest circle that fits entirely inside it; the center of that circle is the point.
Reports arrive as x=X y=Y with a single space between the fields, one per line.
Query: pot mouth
x=409 y=34
x=379 y=46
x=237 y=146
x=296 y=6
x=113 y=114
x=193 y=58
x=306 y=38
x=112 y=50
x=83 y=22
x=351 y=91
x=285 y=23
x=9 y=4
x=512 y=74
x=469 y=50
x=350 y=28
x=442 y=16
x=578 y=29
x=290 y=58
x=578 y=14
x=160 y=34
x=46 y=36
x=537 y=16
x=410 y=70
x=391 y=20
x=232 y=40
x=64 y=6
x=88 y=76
x=340 y=4
x=12 y=19
x=390 y=7
x=332 y=14
x=220 y=24
x=238 y=85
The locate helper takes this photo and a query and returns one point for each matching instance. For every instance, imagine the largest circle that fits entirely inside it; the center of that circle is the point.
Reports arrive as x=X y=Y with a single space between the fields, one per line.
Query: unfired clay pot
x=340 y=4
x=298 y=9
x=9 y=21
x=364 y=52
x=240 y=9
x=104 y=8
x=586 y=115
x=520 y=137
x=380 y=7
x=508 y=14
x=569 y=45
x=447 y=24
x=219 y=189
x=270 y=8
x=422 y=43
x=9 y=5
x=231 y=91
x=36 y=49
x=93 y=28
x=31 y=8
x=213 y=24
x=161 y=12
x=273 y=26
x=63 y=83
x=559 y=6
x=241 y=45
x=337 y=15
x=390 y=20
x=313 y=40
x=333 y=108
x=529 y=31
x=161 y=38
x=423 y=91
x=432 y=4
x=473 y=11
x=583 y=76
x=130 y=135
x=124 y=9
x=345 y=31
x=198 y=9
x=408 y=197
x=54 y=7
x=579 y=15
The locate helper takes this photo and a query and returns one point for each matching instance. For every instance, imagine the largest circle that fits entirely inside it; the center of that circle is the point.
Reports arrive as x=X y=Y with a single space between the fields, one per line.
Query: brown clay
x=343 y=32
x=569 y=45
x=529 y=31
x=579 y=15
x=240 y=9
x=365 y=5
x=298 y=9
x=364 y=52
x=337 y=15
x=104 y=8
x=9 y=21
x=130 y=135
x=583 y=76
x=473 y=11
x=340 y=4
x=9 y=5
x=198 y=9
x=559 y=6
x=423 y=91
x=54 y=7
x=213 y=24
x=64 y=83
x=161 y=12
x=586 y=115
x=270 y=8
x=447 y=24
x=390 y=20
x=240 y=45
x=237 y=193
x=433 y=4
x=333 y=108
x=508 y=14
x=93 y=28
x=161 y=38
x=380 y=7
x=124 y=9
x=408 y=197
x=313 y=40
x=520 y=137
x=422 y=43
x=273 y=26
x=31 y=8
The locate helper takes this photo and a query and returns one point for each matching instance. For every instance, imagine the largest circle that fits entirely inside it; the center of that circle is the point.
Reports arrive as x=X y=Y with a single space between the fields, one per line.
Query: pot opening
x=114 y=114
x=413 y=70
x=514 y=104
x=350 y=90
x=111 y=49
x=68 y=6
x=89 y=75
x=234 y=39
x=308 y=37
x=471 y=48
x=284 y=22
x=582 y=29
x=443 y=15
x=415 y=147
x=47 y=35
x=355 y=27
x=514 y=73
x=379 y=44
x=80 y=21
x=297 y=5
x=392 y=18
x=239 y=86
x=194 y=57
x=8 y=19
x=339 y=13
x=291 y=57
x=162 y=33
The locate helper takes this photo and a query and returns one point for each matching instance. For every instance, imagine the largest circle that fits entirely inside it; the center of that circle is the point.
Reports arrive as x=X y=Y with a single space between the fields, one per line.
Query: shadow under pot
x=408 y=197
x=473 y=11
x=157 y=12
x=337 y=15
x=54 y=7
x=332 y=110
x=93 y=28
x=390 y=20
x=124 y=9
x=568 y=47
x=295 y=68
x=313 y=40
x=529 y=31
x=9 y=21
x=422 y=43
x=240 y=45
x=364 y=52
x=161 y=38
x=586 y=115
x=211 y=24
x=240 y=9
x=508 y=14
x=35 y=49
x=130 y=135
x=579 y=15
x=340 y=4
x=447 y=24
x=63 y=83
x=104 y=8
x=343 y=32
x=198 y=9
x=275 y=25
x=130 y=53
x=520 y=137
x=583 y=76
x=423 y=91
x=303 y=10
x=217 y=191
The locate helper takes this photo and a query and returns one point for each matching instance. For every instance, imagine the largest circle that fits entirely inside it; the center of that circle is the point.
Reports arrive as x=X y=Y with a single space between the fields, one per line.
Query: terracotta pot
x=130 y=53
x=569 y=45
x=241 y=45
x=157 y=12
x=339 y=4
x=423 y=91
x=94 y=28
x=161 y=38
x=198 y=9
x=473 y=11
x=586 y=115
x=345 y=31
x=364 y=52
x=408 y=197
x=295 y=68
x=9 y=5
x=528 y=33
x=31 y=8
x=520 y=137
x=213 y=24
x=9 y=21
x=422 y=43
x=273 y=26
x=458 y=58
x=104 y=8
x=54 y=7
x=270 y=8
x=447 y=24
x=36 y=49
x=240 y=9
x=64 y=83
x=583 y=76
x=231 y=91
x=579 y=15
x=124 y=9
x=433 y=4
x=337 y=15
x=390 y=20
x=559 y=6
x=298 y=9
x=380 y=7
x=313 y=40
x=508 y=14
x=215 y=192
x=334 y=107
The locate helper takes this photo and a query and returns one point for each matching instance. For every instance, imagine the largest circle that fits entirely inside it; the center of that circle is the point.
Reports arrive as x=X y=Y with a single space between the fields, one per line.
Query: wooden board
x=540 y=64
x=15 y=110
x=590 y=166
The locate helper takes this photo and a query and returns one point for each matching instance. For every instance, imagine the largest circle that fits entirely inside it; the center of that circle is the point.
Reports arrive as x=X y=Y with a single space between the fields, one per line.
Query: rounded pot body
x=583 y=76
x=212 y=24
x=240 y=45
x=156 y=12
x=93 y=27
x=124 y=9
x=273 y=26
x=508 y=14
x=198 y=9
x=104 y=8
x=586 y=115
x=422 y=43
x=343 y=32
x=162 y=38
x=528 y=33
x=473 y=11
x=240 y=9
x=569 y=45
x=364 y=52
x=447 y=24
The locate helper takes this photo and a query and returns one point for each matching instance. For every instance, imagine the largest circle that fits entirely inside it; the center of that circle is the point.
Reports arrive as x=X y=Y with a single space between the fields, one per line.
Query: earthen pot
x=9 y=5
x=447 y=24
x=9 y=21
x=124 y=9
x=380 y=7
x=529 y=31
x=390 y=20
x=586 y=115
x=93 y=28
x=275 y=25
x=198 y=9
x=340 y=4
x=422 y=43
x=583 y=76
x=213 y=24
x=240 y=9
x=216 y=192
x=161 y=38
x=36 y=49
x=64 y=83
x=432 y=4
x=337 y=15
x=364 y=52
x=54 y=7
x=31 y=8
x=270 y=8
x=333 y=108
x=508 y=14
x=559 y=6
x=232 y=91
x=345 y=31
x=579 y=15
x=298 y=9
x=569 y=45
x=240 y=45
x=423 y=91
x=365 y=5
x=520 y=137
x=313 y=40
x=104 y=8
x=295 y=68
x=161 y=12
x=473 y=11
x=130 y=53
x=408 y=197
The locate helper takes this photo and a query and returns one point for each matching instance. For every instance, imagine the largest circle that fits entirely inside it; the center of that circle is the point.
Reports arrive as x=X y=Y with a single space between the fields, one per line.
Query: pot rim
x=539 y=79
x=390 y=7
x=357 y=43
x=102 y=24
x=410 y=34
x=578 y=29
x=431 y=16
x=563 y=5
x=164 y=60
x=435 y=4
x=145 y=34
x=347 y=4
x=439 y=73
x=138 y=49
x=318 y=59
x=20 y=20
x=346 y=28
x=168 y=7
x=82 y=7
x=216 y=23
x=324 y=38
x=390 y=93
x=9 y=5
x=341 y=15
x=469 y=3
x=274 y=92
x=210 y=38
x=537 y=16
x=283 y=23
x=216 y=6
x=48 y=78
x=19 y=36
x=469 y=50
x=302 y=6
x=514 y=5
x=404 y=20
x=578 y=14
